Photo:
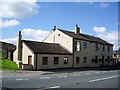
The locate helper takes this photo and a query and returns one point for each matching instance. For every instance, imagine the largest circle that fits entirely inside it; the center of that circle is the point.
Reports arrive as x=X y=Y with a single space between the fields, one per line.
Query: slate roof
x=85 y=37
x=46 y=48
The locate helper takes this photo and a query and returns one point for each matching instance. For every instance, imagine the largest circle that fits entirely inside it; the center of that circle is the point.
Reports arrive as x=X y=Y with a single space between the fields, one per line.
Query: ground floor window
x=30 y=60
x=44 y=60
x=84 y=59
x=65 y=60
x=56 y=60
x=77 y=60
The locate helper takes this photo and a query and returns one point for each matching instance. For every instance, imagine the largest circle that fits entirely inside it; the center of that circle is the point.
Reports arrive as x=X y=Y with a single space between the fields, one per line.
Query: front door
x=30 y=60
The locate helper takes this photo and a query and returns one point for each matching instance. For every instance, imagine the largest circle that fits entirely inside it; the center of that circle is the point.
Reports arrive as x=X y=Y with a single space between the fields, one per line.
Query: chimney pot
x=55 y=27
x=77 y=29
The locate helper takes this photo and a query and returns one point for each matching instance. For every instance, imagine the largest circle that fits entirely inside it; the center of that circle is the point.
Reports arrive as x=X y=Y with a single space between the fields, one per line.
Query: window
x=96 y=46
x=85 y=60
x=108 y=48
x=44 y=60
x=56 y=60
x=65 y=60
x=85 y=44
x=103 y=47
x=30 y=60
x=77 y=60
x=77 y=46
x=96 y=59
x=58 y=34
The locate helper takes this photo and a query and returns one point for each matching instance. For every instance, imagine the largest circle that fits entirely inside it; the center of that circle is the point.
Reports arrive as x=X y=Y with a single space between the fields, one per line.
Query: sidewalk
x=22 y=73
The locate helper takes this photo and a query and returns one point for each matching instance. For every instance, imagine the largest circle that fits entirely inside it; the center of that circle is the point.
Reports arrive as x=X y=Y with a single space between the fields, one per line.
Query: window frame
x=84 y=44
x=44 y=61
x=77 y=48
x=57 y=58
x=65 y=60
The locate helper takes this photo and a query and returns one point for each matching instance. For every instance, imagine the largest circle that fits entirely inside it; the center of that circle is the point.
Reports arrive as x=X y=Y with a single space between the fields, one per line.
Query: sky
x=37 y=19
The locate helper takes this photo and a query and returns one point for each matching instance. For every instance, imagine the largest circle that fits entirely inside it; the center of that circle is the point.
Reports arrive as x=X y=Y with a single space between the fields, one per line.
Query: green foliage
x=6 y=64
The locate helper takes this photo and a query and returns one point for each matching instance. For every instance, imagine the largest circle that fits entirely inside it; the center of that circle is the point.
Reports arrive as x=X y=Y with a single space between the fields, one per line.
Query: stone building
x=63 y=49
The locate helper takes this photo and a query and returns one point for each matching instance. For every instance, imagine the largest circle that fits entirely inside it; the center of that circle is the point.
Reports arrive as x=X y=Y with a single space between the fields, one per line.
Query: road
x=82 y=79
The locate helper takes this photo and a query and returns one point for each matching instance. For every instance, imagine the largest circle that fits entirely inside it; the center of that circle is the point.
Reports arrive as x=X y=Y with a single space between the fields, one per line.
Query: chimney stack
x=19 y=46
x=77 y=29
x=54 y=29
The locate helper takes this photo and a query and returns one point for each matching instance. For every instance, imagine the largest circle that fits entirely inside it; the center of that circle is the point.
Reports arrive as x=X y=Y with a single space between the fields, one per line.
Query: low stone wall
x=27 y=67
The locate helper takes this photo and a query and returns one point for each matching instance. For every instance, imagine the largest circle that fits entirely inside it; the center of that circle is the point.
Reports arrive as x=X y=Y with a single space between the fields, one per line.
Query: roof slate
x=46 y=48
x=85 y=37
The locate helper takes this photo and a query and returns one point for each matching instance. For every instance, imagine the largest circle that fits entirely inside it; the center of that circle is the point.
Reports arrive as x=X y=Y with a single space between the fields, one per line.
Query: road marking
x=76 y=75
x=87 y=73
x=103 y=78
x=44 y=77
x=94 y=80
x=21 y=79
x=104 y=71
x=63 y=76
x=55 y=87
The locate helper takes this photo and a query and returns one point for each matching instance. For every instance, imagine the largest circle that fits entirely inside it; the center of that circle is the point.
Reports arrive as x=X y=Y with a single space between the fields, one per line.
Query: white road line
x=103 y=78
x=59 y=76
x=44 y=77
x=94 y=80
x=19 y=79
x=104 y=71
x=22 y=79
x=76 y=75
x=87 y=73
x=63 y=76
x=55 y=87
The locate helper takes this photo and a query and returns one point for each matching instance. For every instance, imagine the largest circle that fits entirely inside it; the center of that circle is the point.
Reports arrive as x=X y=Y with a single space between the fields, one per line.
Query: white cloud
x=111 y=36
x=99 y=29
x=10 y=23
x=21 y=9
x=10 y=40
x=103 y=5
x=37 y=35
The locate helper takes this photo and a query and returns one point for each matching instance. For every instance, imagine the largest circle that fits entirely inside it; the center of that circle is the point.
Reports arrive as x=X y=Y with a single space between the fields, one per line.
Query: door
x=30 y=60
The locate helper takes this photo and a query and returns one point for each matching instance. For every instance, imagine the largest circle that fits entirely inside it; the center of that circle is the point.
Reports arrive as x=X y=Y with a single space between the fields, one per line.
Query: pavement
x=62 y=78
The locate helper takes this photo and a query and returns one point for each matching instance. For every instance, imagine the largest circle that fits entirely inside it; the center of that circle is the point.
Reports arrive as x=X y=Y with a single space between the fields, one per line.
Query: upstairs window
x=65 y=60
x=56 y=60
x=108 y=48
x=77 y=46
x=44 y=60
x=96 y=46
x=85 y=45
x=103 y=47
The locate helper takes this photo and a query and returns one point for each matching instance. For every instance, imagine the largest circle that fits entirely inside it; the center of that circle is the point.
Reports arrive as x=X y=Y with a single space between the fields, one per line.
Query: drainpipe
x=73 y=53
x=36 y=63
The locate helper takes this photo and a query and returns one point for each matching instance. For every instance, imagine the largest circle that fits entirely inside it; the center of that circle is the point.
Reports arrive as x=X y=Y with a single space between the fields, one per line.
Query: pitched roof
x=85 y=37
x=45 y=48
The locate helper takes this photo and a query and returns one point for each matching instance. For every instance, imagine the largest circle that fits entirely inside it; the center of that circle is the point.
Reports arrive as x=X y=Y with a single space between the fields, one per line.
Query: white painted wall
x=64 y=40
